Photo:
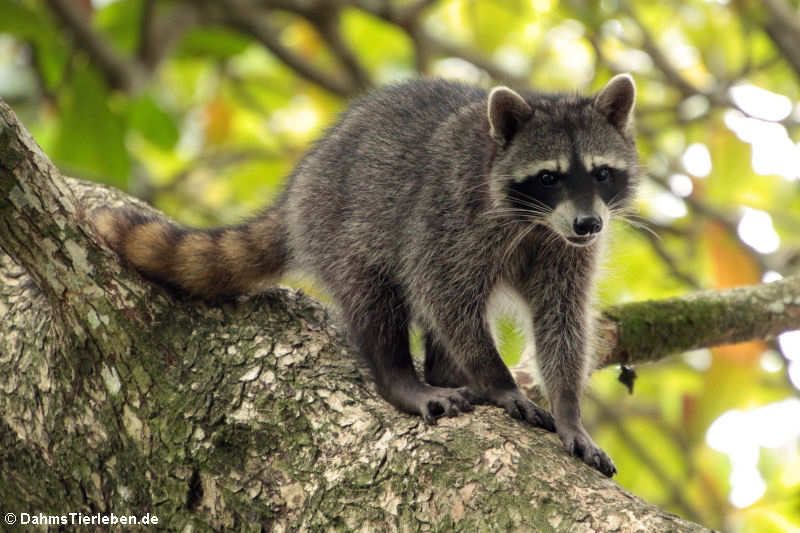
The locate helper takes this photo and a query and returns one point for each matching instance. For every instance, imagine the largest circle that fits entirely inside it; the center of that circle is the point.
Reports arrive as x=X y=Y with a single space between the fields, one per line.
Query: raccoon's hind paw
x=520 y=407
x=435 y=402
x=578 y=443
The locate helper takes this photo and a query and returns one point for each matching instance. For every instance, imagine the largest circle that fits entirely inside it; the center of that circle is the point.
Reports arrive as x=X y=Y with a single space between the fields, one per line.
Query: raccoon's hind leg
x=440 y=369
x=479 y=366
x=378 y=326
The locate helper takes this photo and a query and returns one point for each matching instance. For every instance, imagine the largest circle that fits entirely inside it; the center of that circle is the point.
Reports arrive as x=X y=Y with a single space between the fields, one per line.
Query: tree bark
x=118 y=397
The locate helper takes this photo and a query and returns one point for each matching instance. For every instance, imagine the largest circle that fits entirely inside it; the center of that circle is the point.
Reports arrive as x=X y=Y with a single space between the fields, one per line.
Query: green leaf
x=216 y=42
x=383 y=48
x=119 y=21
x=34 y=25
x=90 y=137
x=19 y=19
x=153 y=123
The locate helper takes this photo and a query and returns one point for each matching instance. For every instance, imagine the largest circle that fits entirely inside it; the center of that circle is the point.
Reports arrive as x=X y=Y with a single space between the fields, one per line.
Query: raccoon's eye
x=602 y=174
x=548 y=179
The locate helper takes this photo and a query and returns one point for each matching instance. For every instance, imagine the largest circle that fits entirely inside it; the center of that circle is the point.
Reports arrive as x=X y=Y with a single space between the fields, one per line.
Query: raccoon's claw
x=436 y=402
x=520 y=407
x=579 y=444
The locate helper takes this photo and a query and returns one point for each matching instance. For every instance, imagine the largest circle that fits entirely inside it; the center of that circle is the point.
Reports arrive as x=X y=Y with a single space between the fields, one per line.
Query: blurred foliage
x=216 y=121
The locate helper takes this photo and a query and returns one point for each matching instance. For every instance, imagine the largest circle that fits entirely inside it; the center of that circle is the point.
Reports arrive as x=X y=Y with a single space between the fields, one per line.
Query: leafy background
x=202 y=108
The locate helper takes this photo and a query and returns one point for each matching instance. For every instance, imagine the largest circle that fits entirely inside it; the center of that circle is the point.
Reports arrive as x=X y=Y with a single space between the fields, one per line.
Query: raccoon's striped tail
x=207 y=263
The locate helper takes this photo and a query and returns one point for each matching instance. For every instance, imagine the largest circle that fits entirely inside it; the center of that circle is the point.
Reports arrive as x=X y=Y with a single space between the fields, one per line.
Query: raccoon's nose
x=587 y=225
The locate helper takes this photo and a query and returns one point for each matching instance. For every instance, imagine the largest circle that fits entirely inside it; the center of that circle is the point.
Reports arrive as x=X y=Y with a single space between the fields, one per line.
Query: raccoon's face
x=573 y=195
x=565 y=162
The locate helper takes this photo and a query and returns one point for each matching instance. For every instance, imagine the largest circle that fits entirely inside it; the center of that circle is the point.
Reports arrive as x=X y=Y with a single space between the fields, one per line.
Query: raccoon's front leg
x=561 y=328
x=378 y=321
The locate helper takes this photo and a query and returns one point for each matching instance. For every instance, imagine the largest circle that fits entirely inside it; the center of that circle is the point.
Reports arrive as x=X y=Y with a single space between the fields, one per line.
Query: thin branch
x=38 y=73
x=669 y=261
x=122 y=74
x=324 y=16
x=695 y=203
x=327 y=24
x=250 y=21
x=427 y=43
x=497 y=72
x=719 y=96
x=648 y=331
x=677 y=492
x=147 y=40
x=168 y=28
x=783 y=27
x=216 y=162
x=411 y=14
x=660 y=59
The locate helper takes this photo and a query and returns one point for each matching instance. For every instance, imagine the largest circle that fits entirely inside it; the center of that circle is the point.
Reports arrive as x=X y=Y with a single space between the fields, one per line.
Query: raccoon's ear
x=507 y=112
x=615 y=102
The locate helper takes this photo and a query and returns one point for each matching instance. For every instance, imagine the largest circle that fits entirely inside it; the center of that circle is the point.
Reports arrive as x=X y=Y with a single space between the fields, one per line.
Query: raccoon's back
x=354 y=194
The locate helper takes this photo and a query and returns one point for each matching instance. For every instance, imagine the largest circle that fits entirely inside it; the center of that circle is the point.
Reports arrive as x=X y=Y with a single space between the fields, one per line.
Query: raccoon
x=418 y=204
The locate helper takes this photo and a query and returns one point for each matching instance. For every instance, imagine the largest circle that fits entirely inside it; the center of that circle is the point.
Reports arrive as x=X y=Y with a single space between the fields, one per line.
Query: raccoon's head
x=564 y=161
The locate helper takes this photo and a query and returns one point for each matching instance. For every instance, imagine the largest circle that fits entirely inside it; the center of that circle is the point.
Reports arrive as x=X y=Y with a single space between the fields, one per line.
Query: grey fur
x=419 y=202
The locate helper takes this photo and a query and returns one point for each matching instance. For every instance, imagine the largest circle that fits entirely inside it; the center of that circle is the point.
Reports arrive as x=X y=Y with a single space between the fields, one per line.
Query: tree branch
x=660 y=59
x=122 y=74
x=34 y=213
x=448 y=48
x=650 y=459
x=146 y=52
x=428 y=44
x=654 y=239
x=783 y=27
x=327 y=24
x=252 y=22
x=647 y=331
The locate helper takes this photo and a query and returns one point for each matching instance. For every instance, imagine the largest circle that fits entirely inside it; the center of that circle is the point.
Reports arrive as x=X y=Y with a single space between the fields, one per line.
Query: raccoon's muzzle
x=587 y=225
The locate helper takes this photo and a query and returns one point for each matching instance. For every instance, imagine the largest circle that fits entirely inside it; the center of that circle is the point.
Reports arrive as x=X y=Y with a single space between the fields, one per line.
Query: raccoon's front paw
x=519 y=406
x=580 y=444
